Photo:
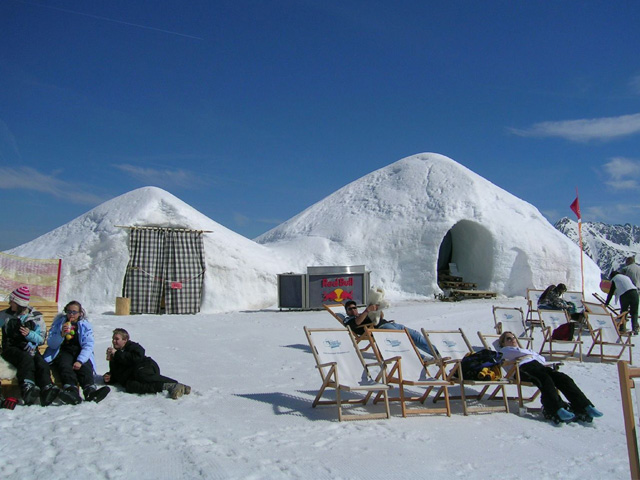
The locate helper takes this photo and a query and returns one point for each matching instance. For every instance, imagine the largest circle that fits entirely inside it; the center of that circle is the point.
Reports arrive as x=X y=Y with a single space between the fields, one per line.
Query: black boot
x=94 y=394
x=48 y=395
x=30 y=393
x=70 y=396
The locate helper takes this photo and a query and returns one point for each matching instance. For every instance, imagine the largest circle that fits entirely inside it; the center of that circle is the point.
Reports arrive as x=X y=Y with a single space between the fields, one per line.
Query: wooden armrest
x=392 y=359
x=374 y=364
x=326 y=364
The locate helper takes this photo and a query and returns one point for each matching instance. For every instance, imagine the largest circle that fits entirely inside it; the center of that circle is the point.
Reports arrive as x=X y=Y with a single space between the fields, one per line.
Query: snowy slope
x=250 y=416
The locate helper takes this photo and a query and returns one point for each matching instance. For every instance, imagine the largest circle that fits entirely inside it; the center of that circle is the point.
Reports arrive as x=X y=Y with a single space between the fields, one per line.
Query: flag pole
x=581 y=253
x=575 y=206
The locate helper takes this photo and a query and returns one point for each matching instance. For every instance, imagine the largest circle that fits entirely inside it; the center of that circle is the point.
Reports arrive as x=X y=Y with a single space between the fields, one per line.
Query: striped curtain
x=143 y=280
x=184 y=272
x=165 y=267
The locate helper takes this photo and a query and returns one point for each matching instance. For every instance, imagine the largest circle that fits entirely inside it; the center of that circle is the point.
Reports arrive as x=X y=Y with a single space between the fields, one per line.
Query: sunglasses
x=352 y=308
x=509 y=338
x=72 y=312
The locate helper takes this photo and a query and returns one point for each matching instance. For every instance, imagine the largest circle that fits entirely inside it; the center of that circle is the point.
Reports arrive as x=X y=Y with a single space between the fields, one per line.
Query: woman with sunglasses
x=534 y=368
x=70 y=350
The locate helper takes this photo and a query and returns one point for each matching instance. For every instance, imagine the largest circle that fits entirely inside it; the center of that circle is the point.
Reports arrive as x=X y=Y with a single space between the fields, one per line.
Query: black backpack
x=473 y=365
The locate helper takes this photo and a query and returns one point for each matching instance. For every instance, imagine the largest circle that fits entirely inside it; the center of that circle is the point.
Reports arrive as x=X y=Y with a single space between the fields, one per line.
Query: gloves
x=9 y=403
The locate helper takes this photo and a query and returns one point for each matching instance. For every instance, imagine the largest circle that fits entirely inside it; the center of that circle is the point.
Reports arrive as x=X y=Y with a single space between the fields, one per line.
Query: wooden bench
x=49 y=310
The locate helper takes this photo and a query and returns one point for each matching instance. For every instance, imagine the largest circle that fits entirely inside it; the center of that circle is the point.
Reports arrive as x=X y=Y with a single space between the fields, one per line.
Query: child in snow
x=70 y=350
x=23 y=330
x=549 y=381
x=129 y=367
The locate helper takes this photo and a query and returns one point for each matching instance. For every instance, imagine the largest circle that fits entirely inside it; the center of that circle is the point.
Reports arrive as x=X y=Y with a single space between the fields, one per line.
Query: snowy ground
x=250 y=417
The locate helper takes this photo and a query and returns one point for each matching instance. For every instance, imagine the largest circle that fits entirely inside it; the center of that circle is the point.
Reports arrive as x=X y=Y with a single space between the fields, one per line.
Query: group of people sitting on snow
x=69 y=351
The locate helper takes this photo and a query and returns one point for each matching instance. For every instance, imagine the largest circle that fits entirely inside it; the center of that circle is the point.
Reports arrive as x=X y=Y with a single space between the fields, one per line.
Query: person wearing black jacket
x=137 y=373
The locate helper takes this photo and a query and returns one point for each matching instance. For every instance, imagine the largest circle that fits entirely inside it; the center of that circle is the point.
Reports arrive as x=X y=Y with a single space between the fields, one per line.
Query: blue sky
x=251 y=111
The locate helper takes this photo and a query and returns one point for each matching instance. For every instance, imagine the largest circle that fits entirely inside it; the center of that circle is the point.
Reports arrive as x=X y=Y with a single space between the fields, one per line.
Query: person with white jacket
x=533 y=367
x=627 y=296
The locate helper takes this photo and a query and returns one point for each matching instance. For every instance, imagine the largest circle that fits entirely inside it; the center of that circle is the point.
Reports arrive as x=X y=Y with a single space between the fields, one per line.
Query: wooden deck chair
x=337 y=311
x=601 y=308
x=552 y=319
x=605 y=335
x=577 y=298
x=511 y=319
x=533 y=295
x=343 y=368
x=406 y=368
x=511 y=372
x=451 y=347
x=614 y=311
x=627 y=376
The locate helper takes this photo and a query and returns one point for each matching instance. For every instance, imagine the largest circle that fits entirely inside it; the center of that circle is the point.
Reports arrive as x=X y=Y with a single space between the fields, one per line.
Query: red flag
x=575 y=207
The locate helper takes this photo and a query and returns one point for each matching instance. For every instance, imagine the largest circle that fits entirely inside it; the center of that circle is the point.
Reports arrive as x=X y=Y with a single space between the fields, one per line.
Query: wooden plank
x=457 y=285
x=474 y=293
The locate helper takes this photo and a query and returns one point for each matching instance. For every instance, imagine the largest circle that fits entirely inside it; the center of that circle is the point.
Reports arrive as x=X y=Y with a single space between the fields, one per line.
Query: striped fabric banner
x=42 y=276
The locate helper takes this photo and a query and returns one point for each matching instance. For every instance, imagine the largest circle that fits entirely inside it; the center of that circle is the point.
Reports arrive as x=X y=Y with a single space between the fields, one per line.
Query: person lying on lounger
x=356 y=322
x=535 y=369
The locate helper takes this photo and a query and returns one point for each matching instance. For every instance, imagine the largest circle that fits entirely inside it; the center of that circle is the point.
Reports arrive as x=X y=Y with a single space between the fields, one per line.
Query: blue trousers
x=417 y=337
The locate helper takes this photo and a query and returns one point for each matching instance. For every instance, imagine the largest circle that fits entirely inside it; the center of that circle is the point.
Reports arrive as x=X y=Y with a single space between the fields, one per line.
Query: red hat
x=20 y=296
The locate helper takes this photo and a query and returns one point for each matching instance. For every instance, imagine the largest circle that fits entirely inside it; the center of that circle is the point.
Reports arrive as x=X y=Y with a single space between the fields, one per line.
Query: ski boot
x=587 y=414
x=562 y=415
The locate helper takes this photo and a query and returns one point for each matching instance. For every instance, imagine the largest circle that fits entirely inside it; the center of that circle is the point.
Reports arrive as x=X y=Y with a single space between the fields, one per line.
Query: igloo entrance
x=470 y=247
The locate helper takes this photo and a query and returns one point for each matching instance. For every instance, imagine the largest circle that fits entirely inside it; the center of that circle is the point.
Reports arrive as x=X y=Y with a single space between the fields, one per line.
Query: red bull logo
x=338 y=282
x=337 y=296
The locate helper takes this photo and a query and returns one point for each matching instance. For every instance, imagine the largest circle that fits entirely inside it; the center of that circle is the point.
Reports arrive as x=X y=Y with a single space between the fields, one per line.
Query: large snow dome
x=410 y=219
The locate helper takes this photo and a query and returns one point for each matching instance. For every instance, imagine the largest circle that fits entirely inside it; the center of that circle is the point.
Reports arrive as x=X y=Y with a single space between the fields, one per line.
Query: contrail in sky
x=98 y=17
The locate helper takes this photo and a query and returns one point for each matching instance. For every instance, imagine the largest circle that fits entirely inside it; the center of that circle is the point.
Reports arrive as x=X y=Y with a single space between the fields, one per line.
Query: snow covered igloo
x=407 y=220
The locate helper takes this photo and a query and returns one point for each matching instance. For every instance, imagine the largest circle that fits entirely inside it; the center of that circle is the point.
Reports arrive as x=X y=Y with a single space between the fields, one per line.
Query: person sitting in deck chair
x=534 y=369
x=137 y=373
x=356 y=322
x=551 y=299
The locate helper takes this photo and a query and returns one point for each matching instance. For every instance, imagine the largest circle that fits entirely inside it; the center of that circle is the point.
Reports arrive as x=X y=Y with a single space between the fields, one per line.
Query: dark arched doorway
x=471 y=247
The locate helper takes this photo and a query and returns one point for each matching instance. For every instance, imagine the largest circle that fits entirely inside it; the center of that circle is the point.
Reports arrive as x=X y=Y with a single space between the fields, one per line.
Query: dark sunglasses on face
x=72 y=312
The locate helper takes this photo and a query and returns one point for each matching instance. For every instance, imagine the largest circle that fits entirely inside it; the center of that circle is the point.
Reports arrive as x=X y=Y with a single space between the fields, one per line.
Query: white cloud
x=611 y=214
x=26 y=178
x=161 y=177
x=623 y=173
x=585 y=129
